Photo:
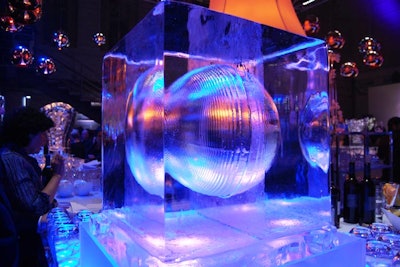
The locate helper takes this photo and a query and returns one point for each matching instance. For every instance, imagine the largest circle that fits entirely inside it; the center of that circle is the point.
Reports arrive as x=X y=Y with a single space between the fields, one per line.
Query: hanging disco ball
x=8 y=24
x=46 y=66
x=26 y=17
x=61 y=40
x=99 y=39
x=25 y=11
x=334 y=40
x=25 y=4
x=368 y=44
x=311 y=25
x=349 y=69
x=373 y=59
x=21 y=57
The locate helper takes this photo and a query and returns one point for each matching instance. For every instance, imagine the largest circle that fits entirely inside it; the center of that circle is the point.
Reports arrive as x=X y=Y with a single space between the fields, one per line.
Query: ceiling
x=77 y=80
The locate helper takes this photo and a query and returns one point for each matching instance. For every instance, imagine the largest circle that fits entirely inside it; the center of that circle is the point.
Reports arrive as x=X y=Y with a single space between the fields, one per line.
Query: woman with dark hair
x=24 y=132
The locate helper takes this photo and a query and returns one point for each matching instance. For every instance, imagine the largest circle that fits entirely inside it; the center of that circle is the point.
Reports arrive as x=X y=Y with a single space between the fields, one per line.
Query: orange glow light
x=275 y=13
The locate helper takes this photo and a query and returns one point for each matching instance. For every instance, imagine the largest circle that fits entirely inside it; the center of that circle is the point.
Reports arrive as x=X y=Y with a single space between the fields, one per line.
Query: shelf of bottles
x=360 y=147
x=351 y=154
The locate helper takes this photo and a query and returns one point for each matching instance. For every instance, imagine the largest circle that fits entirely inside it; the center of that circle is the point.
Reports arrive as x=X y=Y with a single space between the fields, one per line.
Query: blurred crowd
x=85 y=144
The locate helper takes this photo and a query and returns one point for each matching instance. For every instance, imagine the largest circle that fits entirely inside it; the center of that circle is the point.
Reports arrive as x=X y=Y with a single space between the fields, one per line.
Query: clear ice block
x=216 y=144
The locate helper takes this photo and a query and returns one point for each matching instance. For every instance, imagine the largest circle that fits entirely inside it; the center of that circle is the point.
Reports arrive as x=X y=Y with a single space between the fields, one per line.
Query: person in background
x=384 y=151
x=24 y=132
x=76 y=147
x=86 y=140
x=94 y=152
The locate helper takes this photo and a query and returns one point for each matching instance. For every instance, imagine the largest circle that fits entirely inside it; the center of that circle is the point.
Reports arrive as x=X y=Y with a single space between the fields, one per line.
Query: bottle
x=47 y=171
x=351 y=213
x=335 y=197
x=367 y=197
x=379 y=203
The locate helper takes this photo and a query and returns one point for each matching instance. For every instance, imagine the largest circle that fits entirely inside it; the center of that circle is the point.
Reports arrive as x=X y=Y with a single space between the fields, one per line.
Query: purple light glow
x=388 y=11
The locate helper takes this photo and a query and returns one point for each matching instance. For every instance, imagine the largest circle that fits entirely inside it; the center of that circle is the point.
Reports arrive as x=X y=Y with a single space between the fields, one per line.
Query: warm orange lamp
x=275 y=13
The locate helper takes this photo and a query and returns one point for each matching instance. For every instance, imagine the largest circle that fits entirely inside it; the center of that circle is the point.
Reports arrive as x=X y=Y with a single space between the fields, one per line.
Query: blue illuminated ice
x=220 y=130
x=268 y=234
x=144 y=131
x=212 y=171
x=313 y=131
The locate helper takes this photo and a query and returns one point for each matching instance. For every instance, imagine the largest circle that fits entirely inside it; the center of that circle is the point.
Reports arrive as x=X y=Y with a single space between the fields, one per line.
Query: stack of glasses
x=382 y=244
x=63 y=236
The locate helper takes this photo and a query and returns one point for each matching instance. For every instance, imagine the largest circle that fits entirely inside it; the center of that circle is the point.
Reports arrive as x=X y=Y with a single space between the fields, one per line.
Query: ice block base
x=228 y=236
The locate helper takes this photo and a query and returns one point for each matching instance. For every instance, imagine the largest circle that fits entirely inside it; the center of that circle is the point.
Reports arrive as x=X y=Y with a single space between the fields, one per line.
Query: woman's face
x=37 y=142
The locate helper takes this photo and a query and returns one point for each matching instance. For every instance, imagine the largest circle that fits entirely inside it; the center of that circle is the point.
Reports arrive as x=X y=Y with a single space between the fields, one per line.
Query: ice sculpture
x=63 y=116
x=211 y=123
x=221 y=131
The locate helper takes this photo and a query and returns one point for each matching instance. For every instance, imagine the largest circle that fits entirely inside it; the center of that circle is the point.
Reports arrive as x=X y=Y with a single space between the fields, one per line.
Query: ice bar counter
x=216 y=147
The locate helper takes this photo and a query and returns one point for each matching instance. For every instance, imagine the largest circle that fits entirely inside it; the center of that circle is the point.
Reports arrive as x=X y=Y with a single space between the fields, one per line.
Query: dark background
x=77 y=80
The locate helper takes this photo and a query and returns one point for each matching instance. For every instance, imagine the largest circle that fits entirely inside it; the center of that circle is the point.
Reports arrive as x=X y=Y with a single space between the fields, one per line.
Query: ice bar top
x=175 y=27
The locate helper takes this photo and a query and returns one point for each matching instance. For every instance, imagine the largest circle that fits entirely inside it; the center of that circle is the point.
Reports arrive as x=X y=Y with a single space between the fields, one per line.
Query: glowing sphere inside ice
x=144 y=131
x=215 y=130
x=221 y=130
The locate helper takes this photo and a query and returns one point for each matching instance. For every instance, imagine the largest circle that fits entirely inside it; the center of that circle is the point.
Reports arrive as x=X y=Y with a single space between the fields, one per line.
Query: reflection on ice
x=314 y=131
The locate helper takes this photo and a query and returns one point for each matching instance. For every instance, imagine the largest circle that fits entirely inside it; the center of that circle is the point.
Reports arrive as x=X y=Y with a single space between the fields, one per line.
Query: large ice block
x=216 y=144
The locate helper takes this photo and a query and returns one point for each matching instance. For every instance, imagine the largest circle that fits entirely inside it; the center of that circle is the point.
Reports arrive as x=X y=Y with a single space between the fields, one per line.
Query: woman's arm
x=23 y=185
x=58 y=172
